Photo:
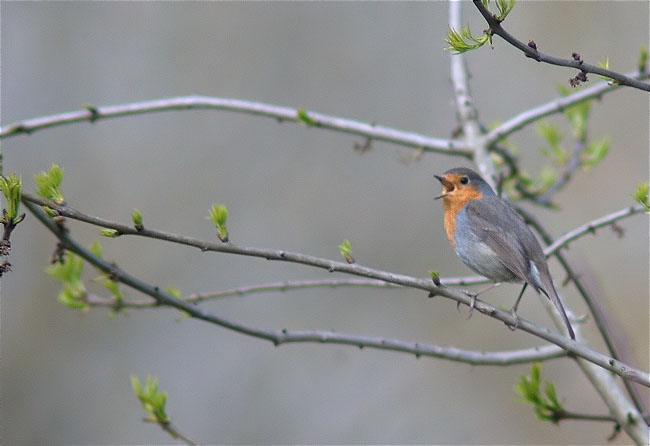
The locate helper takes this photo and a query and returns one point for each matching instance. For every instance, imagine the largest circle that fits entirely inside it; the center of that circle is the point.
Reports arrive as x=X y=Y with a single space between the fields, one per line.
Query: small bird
x=492 y=239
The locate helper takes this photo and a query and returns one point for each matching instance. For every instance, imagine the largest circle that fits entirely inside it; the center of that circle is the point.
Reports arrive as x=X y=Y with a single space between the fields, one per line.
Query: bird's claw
x=472 y=302
x=516 y=324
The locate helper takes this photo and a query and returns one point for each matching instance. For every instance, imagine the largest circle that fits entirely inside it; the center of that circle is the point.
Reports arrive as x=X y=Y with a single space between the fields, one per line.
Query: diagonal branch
x=555 y=106
x=533 y=53
x=279 y=336
x=591 y=227
x=311 y=119
x=554 y=248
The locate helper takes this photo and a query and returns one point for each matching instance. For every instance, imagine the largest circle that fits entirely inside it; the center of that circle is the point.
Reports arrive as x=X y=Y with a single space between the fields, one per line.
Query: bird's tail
x=555 y=299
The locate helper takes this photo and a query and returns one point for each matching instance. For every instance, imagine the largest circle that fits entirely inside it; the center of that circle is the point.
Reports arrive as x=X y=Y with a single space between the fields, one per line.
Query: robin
x=492 y=239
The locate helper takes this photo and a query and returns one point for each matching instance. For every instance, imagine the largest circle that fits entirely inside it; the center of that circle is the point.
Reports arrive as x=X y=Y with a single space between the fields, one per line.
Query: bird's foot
x=472 y=302
x=514 y=326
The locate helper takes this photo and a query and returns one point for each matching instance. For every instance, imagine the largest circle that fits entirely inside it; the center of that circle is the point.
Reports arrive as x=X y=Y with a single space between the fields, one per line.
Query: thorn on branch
x=363 y=148
x=532 y=44
x=620 y=232
x=94 y=113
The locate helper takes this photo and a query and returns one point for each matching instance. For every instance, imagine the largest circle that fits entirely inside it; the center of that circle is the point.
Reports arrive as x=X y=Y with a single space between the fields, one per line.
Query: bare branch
x=591 y=226
x=280 y=336
x=532 y=52
x=376 y=132
x=467 y=113
x=557 y=105
x=97 y=301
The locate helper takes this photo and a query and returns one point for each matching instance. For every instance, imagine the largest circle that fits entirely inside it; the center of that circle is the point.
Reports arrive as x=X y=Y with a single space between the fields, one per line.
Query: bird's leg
x=472 y=297
x=513 y=310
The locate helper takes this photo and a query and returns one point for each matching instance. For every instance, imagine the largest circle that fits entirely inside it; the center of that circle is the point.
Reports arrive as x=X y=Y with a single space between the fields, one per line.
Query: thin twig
x=568 y=415
x=98 y=301
x=535 y=54
x=555 y=106
x=282 y=336
x=175 y=433
x=590 y=227
x=376 y=132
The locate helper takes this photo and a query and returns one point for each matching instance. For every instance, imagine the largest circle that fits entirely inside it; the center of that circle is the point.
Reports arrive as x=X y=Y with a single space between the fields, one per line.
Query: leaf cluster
x=153 y=401
x=11 y=187
x=68 y=271
x=48 y=184
x=546 y=405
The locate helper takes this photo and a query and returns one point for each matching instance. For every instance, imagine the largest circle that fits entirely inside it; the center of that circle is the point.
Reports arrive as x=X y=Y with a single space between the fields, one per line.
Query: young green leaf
x=111 y=233
x=153 y=401
x=504 y=7
x=345 y=249
x=68 y=272
x=174 y=292
x=11 y=187
x=136 y=216
x=435 y=277
x=305 y=118
x=546 y=406
x=113 y=286
x=595 y=152
x=97 y=249
x=578 y=114
x=463 y=41
x=218 y=215
x=605 y=64
x=49 y=182
x=553 y=137
x=641 y=195
x=643 y=60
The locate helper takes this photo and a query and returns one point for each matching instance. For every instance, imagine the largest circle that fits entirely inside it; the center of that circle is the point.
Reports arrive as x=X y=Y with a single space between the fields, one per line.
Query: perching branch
x=311 y=119
x=553 y=249
x=531 y=51
x=281 y=336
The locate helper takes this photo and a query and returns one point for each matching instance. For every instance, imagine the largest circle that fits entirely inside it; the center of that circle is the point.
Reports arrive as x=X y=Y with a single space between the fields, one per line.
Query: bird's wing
x=501 y=237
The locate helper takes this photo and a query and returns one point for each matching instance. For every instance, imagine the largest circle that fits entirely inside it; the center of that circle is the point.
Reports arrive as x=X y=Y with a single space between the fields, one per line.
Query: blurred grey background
x=65 y=375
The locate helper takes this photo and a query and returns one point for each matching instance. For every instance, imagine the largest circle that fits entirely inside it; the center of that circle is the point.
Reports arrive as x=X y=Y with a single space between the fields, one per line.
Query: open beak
x=448 y=186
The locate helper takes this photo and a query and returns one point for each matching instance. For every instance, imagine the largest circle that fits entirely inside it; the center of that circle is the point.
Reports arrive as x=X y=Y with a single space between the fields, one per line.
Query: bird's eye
x=464 y=180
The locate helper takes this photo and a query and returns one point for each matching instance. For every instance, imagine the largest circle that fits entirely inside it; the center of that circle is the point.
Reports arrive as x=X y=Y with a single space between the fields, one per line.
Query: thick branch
x=533 y=53
x=278 y=336
x=467 y=113
x=377 y=132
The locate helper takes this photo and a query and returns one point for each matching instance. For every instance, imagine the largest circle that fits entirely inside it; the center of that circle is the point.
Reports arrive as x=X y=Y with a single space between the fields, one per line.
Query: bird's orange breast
x=452 y=204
